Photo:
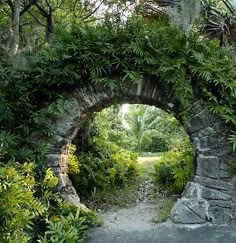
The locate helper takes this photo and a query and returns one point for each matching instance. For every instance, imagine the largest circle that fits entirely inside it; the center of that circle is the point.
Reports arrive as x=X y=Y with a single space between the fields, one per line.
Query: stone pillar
x=57 y=152
x=209 y=197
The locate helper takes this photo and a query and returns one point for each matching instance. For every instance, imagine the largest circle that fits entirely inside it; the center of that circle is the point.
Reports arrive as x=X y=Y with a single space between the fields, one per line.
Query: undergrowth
x=33 y=212
x=174 y=168
x=105 y=168
x=164 y=212
x=114 y=55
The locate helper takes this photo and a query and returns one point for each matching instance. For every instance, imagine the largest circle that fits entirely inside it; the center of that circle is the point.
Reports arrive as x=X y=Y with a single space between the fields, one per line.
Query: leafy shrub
x=28 y=209
x=18 y=206
x=157 y=144
x=108 y=166
x=175 y=168
x=73 y=160
x=124 y=167
x=69 y=228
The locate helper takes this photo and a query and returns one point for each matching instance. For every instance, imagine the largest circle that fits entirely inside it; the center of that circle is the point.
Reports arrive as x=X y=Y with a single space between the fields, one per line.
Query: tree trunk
x=49 y=28
x=15 y=29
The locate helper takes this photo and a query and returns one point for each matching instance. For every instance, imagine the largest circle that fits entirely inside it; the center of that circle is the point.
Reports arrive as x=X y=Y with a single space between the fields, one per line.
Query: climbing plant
x=34 y=88
x=100 y=53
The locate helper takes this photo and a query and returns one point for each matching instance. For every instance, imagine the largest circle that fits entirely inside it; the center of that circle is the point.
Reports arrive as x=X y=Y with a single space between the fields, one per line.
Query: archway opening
x=207 y=197
x=131 y=155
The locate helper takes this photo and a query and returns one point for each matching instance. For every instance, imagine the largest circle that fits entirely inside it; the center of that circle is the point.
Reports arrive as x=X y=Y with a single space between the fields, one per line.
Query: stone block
x=233 y=206
x=220 y=203
x=209 y=193
x=234 y=199
x=74 y=108
x=224 y=174
x=198 y=122
x=214 y=183
x=224 y=166
x=195 y=144
x=63 y=129
x=220 y=215
x=220 y=152
x=189 y=211
x=71 y=198
x=208 y=166
x=63 y=181
x=208 y=142
x=192 y=190
x=52 y=160
x=208 y=131
x=52 y=150
x=58 y=141
x=56 y=170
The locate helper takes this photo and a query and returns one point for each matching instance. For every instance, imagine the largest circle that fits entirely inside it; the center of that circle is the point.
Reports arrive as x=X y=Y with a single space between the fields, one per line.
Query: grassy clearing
x=146 y=164
x=152 y=158
x=148 y=155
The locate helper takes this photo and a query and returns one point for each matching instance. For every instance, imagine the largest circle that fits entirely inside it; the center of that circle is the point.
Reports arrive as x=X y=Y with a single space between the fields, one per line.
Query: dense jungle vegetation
x=48 y=47
x=115 y=141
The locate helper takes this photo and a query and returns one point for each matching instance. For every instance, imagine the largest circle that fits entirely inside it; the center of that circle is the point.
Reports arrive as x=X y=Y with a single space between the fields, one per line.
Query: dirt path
x=138 y=224
x=135 y=225
x=143 y=215
x=130 y=219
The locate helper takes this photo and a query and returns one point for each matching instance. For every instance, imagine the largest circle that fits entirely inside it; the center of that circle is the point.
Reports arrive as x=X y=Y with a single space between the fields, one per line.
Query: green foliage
x=108 y=125
x=108 y=166
x=73 y=163
x=151 y=128
x=219 y=21
x=165 y=210
x=136 y=49
x=18 y=206
x=114 y=55
x=24 y=216
x=174 y=169
x=67 y=229
x=232 y=139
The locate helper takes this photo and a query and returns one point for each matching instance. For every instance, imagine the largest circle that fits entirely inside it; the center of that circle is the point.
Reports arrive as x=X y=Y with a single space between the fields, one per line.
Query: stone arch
x=209 y=197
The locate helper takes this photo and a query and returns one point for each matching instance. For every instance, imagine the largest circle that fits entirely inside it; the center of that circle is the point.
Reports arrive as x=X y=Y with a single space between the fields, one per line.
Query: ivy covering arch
x=89 y=67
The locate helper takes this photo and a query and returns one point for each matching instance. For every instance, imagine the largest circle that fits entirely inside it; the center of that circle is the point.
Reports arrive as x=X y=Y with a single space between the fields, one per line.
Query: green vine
x=114 y=55
x=100 y=53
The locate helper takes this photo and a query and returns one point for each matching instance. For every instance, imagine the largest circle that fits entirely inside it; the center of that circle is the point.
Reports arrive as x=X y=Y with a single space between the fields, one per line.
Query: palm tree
x=220 y=21
x=141 y=119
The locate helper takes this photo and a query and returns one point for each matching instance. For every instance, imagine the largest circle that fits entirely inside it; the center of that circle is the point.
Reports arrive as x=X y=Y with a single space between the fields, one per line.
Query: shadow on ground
x=166 y=233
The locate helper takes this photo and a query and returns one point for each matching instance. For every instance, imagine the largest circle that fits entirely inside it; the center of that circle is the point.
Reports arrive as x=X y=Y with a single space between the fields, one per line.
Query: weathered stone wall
x=209 y=197
x=211 y=194
x=184 y=13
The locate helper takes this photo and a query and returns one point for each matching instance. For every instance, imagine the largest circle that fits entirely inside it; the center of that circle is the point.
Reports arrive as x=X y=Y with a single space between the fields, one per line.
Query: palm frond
x=220 y=23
